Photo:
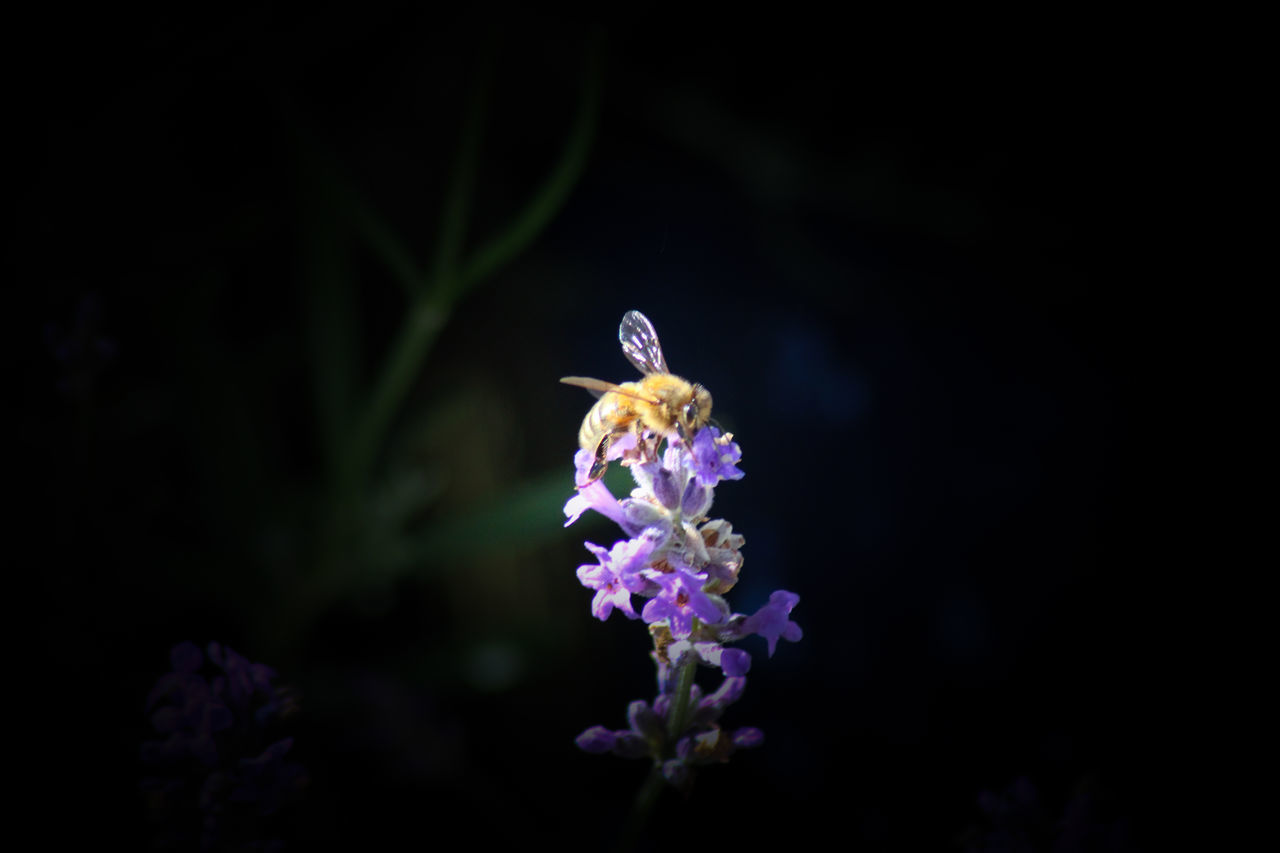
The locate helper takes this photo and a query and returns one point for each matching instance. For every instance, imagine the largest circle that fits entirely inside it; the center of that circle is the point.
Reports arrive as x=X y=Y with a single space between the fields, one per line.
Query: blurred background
x=294 y=296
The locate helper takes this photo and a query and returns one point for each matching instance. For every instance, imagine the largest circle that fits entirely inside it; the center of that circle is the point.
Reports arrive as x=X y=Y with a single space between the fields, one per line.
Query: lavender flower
x=684 y=564
x=1017 y=821
x=219 y=770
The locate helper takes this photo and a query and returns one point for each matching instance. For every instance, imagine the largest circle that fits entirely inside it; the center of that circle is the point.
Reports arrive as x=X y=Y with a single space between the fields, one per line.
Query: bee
x=660 y=403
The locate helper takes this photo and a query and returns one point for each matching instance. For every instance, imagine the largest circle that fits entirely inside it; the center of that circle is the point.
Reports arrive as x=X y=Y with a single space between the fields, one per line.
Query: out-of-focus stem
x=641 y=807
x=678 y=719
x=416 y=335
x=551 y=196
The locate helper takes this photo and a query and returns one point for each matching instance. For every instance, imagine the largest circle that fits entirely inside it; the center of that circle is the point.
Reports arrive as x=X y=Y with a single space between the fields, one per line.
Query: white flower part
x=575 y=507
x=730 y=562
x=695 y=549
x=719 y=534
x=705 y=651
x=641 y=514
x=675 y=459
x=709 y=653
x=678 y=649
x=643 y=476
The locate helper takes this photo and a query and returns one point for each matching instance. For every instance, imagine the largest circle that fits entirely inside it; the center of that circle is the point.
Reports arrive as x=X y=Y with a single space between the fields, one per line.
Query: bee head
x=694 y=414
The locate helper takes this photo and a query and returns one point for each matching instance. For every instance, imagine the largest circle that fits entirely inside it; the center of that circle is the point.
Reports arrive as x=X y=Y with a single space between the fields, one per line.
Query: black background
x=915 y=273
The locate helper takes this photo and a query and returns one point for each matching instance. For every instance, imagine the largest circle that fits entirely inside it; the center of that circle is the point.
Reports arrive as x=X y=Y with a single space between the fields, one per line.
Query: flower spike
x=681 y=564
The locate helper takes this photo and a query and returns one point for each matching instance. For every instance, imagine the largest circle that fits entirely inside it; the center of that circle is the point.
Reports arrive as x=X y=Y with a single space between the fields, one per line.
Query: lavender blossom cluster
x=1018 y=820
x=682 y=564
x=219 y=770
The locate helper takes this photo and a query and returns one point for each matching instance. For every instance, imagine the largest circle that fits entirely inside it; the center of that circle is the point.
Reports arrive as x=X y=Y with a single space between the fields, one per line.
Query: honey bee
x=660 y=403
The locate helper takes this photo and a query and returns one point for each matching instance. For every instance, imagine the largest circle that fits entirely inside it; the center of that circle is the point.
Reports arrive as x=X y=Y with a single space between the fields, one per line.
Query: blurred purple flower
x=221 y=768
x=1017 y=821
x=773 y=620
x=702 y=742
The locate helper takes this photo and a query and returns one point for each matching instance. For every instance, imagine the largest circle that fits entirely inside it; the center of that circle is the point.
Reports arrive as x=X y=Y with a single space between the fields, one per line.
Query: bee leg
x=648 y=449
x=600 y=463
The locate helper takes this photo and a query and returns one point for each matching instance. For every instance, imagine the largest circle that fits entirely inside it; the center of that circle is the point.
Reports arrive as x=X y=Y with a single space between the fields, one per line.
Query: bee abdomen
x=594 y=426
x=607 y=417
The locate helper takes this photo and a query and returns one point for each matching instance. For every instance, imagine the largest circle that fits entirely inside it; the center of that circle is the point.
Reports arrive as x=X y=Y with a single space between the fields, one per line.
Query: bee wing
x=640 y=343
x=598 y=387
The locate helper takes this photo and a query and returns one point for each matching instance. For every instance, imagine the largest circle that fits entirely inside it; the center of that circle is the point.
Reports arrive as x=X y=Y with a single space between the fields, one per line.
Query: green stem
x=551 y=196
x=680 y=705
x=389 y=248
x=678 y=720
x=641 y=807
x=328 y=300
x=453 y=224
x=414 y=339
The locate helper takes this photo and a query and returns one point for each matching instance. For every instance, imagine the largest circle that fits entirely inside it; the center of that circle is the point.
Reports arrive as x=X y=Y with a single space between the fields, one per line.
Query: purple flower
x=594 y=496
x=183 y=707
x=617 y=575
x=713 y=705
x=772 y=621
x=242 y=680
x=640 y=515
x=680 y=600
x=643 y=736
x=715 y=457
x=662 y=481
x=696 y=500
x=735 y=662
x=596 y=739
